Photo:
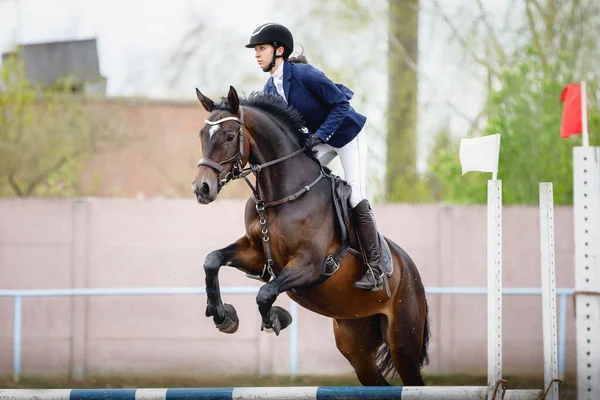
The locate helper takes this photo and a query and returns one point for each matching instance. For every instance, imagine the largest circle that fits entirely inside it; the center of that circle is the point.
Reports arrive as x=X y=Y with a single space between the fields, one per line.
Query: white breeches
x=353 y=158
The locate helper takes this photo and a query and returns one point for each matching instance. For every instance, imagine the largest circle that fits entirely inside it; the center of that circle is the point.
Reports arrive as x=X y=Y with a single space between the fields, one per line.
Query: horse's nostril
x=204 y=188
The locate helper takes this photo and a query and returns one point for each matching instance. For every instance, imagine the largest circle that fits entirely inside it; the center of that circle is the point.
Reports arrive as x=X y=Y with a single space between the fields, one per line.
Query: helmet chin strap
x=275 y=56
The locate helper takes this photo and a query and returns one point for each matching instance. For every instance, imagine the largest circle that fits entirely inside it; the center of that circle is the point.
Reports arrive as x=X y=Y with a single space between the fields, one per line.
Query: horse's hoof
x=231 y=322
x=279 y=319
x=285 y=318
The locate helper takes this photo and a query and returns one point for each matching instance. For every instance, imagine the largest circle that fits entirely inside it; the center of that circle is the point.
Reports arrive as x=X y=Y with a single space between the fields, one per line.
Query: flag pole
x=495 y=173
x=584 y=117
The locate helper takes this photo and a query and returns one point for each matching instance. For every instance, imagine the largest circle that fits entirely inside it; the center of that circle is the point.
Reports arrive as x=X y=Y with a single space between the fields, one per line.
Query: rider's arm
x=331 y=96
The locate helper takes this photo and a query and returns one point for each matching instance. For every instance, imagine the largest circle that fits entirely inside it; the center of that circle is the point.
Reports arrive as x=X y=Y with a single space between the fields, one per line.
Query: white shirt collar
x=278 y=80
x=278 y=74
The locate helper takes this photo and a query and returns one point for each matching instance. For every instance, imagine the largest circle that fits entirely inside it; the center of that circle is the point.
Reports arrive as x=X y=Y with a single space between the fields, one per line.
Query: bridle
x=237 y=171
x=236 y=159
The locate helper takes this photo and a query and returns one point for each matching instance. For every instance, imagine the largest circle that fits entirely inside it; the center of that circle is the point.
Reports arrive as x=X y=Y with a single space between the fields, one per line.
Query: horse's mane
x=276 y=107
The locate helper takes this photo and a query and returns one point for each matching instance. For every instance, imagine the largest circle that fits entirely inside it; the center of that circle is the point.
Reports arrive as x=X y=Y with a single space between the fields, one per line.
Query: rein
x=238 y=172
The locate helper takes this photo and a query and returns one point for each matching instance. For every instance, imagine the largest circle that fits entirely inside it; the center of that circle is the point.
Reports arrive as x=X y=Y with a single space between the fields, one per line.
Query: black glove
x=313 y=140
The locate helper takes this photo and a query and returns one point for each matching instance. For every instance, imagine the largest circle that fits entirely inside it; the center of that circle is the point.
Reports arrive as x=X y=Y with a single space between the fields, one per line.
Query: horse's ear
x=207 y=103
x=233 y=99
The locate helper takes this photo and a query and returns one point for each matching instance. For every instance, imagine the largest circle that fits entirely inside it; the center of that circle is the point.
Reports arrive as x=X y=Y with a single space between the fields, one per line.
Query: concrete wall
x=108 y=243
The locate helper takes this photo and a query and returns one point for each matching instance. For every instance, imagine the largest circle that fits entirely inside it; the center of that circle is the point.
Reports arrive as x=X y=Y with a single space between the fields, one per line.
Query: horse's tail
x=384 y=356
x=423 y=357
x=384 y=361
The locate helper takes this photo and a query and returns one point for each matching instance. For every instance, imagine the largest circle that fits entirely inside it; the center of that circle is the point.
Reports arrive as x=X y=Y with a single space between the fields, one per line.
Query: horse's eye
x=230 y=136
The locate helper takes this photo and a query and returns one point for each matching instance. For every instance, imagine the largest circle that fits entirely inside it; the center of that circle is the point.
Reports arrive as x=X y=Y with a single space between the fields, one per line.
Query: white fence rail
x=18 y=296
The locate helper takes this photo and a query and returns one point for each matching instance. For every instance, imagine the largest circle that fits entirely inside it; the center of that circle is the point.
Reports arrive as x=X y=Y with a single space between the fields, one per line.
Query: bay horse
x=291 y=229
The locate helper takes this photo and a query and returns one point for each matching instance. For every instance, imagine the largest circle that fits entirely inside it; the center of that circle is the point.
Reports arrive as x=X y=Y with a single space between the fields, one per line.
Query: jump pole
x=586 y=209
x=495 y=384
x=586 y=215
x=268 y=393
x=548 y=270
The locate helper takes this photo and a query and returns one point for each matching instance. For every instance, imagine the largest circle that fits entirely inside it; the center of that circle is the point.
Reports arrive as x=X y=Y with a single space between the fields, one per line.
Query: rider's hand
x=313 y=140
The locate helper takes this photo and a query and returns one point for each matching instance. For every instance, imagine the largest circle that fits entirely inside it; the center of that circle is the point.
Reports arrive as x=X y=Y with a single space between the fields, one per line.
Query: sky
x=137 y=40
x=133 y=36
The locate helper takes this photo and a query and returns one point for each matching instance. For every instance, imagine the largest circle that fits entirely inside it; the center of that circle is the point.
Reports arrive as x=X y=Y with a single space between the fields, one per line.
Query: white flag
x=480 y=154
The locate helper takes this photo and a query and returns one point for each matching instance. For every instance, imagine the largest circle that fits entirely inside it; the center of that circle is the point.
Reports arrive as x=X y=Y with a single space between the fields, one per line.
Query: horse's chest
x=276 y=230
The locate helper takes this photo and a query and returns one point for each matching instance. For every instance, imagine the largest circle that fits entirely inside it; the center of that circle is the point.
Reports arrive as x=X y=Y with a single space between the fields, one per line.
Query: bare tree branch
x=563 y=33
x=410 y=62
x=534 y=33
x=539 y=7
x=14 y=185
x=461 y=114
x=44 y=174
x=507 y=16
x=499 y=48
x=475 y=122
x=550 y=17
x=467 y=47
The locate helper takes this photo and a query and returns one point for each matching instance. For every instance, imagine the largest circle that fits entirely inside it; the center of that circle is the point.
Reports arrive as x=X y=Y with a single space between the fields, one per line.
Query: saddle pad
x=386 y=255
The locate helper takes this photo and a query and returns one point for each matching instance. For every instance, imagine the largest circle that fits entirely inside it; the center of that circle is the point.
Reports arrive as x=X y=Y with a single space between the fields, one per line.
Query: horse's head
x=224 y=150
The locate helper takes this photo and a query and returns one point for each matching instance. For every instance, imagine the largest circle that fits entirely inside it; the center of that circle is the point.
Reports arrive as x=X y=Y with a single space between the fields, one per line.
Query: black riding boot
x=364 y=222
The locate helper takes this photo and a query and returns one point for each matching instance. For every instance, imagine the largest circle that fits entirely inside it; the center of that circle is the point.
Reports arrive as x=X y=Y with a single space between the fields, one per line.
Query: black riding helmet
x=273 y=34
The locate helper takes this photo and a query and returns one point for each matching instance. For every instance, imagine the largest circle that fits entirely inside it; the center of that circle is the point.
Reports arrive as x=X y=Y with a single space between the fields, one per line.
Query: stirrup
x=375 y=280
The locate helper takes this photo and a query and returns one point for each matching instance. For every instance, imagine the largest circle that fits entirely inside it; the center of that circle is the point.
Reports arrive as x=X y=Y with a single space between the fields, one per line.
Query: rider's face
x=264 y=55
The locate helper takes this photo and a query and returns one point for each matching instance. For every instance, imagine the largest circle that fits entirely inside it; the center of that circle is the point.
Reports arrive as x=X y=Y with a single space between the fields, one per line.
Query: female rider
x=335 y=128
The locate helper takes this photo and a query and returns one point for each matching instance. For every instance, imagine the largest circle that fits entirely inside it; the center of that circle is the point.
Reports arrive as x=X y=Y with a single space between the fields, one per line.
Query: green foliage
x=46 y=134
x=525 y=109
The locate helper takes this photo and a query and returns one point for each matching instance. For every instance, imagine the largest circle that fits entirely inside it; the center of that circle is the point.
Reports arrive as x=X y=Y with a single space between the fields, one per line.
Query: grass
x=568 y=388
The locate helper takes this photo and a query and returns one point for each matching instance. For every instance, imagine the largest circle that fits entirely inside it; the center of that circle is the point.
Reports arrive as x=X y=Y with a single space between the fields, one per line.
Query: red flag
x=571 y=118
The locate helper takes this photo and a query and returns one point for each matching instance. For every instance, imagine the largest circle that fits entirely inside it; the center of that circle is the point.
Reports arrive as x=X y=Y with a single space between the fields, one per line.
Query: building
x=48 y=63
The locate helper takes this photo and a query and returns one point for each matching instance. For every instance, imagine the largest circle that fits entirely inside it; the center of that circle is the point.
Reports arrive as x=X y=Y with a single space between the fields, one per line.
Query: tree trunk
x=401 y=174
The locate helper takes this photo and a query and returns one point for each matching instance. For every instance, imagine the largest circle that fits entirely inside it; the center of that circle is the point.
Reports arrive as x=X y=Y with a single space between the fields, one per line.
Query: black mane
x=275 y=106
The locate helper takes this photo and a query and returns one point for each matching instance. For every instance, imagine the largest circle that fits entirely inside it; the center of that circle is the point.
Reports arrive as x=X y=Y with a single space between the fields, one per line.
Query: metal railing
x=18 y=296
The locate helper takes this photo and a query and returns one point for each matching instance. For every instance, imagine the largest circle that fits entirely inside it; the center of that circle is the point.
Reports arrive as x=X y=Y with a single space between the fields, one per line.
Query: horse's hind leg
x=358 y=340
x=406 y=337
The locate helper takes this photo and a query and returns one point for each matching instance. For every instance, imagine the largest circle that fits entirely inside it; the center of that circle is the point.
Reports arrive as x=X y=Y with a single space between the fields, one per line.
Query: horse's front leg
x=296 y=274
x=240 y=254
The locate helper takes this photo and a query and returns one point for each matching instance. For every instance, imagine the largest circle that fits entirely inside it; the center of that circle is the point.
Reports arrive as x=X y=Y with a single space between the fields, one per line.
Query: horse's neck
x=286 y=177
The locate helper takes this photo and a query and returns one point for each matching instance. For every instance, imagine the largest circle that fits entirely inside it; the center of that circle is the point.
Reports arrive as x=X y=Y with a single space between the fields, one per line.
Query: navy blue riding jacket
x=324 y=105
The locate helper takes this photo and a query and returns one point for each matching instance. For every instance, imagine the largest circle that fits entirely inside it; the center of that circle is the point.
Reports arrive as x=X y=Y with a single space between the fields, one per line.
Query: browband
x=223 y=120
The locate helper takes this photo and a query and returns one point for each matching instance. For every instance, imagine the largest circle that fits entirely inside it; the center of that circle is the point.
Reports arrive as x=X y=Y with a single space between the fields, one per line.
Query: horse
x=291 y=228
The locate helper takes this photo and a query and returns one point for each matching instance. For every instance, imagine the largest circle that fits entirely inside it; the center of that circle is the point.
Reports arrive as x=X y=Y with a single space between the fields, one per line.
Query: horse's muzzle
x=202 y=192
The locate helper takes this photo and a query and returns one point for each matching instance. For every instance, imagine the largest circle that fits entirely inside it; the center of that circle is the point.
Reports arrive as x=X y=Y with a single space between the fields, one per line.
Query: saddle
x=341 y=192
